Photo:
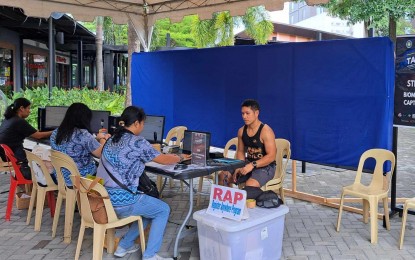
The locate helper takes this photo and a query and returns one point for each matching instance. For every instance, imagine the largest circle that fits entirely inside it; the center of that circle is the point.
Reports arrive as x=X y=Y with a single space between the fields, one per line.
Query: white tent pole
x=150 y=36
x=147 y=47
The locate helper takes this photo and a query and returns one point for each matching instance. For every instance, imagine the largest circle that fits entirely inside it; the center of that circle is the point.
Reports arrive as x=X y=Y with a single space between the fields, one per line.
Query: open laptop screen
x=99 y=120
x=53 y=117
x=187 y=141
x=153 y=129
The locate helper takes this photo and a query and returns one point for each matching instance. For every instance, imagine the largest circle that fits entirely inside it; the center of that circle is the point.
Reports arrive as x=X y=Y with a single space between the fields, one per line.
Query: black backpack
x=268 y=199
x=147 y=186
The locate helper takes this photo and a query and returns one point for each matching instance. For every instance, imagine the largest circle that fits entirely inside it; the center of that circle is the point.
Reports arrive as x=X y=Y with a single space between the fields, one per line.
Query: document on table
x=29 y=144
x=169 y=168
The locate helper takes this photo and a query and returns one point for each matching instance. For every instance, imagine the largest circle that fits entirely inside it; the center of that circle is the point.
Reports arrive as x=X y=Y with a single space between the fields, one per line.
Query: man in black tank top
x=256 y=145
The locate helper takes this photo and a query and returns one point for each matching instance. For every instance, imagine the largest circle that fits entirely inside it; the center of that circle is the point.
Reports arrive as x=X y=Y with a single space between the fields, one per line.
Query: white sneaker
x=121 y=252
x=157 y=257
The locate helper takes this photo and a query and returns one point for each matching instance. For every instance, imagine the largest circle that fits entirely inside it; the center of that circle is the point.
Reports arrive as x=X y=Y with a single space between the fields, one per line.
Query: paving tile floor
x=309 y=231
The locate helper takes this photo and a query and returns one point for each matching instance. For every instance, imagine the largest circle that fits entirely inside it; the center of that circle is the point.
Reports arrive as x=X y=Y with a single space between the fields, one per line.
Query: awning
x=142 y=13
x=37 y=29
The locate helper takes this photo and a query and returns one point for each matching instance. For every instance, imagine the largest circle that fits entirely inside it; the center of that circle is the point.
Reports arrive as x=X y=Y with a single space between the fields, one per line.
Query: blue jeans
x=150 y=209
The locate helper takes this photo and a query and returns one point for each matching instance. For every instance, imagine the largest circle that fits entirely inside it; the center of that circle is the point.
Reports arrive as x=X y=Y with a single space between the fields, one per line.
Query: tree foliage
x=218 y=31
x=257 y=24
x=193 y=32
x=376 y=13
x=115 y=34
x=205 y=36
x=180 y=33
x=402 y=27
x=95 y=100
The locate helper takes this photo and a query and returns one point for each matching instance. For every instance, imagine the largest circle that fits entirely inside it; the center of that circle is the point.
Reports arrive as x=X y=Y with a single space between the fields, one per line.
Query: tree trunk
x=99 y=61
x=123 y=70
x=392 y=30
x=119 y=71
x=365 y=28
x=133 y=46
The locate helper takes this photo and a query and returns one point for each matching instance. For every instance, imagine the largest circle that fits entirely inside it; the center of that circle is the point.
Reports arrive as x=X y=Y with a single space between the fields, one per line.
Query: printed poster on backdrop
x=404 y=110
x=199 y=149
x=227 y=202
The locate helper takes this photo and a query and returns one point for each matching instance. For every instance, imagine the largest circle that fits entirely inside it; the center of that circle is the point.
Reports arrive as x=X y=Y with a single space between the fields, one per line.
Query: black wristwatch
x=254 y=164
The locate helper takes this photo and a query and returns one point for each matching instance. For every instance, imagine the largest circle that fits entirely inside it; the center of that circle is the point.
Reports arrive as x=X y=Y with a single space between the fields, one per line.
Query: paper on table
x=170 y=167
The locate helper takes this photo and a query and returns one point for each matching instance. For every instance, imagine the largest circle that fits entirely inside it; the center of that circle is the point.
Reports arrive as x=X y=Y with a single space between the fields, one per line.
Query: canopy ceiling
x=142 y=13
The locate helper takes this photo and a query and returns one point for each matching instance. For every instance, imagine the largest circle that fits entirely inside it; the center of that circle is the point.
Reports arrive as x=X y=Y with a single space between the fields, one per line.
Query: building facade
x=290 y=33
x=25 y=52
x=316 y=17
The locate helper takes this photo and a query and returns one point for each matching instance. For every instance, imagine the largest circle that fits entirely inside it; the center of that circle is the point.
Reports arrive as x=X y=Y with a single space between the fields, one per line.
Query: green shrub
x=7 y=90
x=94 y=99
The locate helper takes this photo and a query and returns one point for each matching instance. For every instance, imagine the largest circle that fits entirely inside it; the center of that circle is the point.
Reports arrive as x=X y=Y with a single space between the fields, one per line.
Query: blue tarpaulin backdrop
x=331 y=99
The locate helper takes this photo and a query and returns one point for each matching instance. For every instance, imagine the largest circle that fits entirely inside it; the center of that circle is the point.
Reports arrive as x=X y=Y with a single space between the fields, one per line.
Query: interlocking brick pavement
x=309 y=231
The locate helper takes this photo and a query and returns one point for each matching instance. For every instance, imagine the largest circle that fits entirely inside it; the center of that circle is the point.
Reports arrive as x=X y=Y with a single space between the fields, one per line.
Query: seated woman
x=73 y=137
x=124 y=156
x=14 y=129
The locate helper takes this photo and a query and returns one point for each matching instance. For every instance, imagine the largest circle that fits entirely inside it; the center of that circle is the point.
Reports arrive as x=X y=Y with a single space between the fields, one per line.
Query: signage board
x=199 y=149
x=227 y=202
x=404 y=110
x=62 y=60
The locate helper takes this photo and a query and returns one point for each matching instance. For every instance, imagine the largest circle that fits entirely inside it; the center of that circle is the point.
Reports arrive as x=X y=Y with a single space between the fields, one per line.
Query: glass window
x=62 y=75
x=87 y=80
x=35 y=70
x=74 y=75
x=6 y=70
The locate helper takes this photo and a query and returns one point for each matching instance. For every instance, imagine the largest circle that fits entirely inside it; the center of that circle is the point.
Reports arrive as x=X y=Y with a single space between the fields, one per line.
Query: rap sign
x=226 y=202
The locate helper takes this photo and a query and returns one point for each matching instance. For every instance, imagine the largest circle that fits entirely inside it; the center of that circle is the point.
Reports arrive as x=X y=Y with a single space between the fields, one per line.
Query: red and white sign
x=62 y=59
x=227 y=202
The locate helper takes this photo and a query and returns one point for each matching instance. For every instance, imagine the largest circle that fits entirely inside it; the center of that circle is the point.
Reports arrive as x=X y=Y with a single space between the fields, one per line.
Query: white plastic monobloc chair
x=61 y=161
x=43 y=186
x=101 y=230
x=378 y=189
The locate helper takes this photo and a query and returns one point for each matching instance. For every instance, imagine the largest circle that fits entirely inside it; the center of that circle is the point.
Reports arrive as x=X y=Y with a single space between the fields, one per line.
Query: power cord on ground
x=187 y=226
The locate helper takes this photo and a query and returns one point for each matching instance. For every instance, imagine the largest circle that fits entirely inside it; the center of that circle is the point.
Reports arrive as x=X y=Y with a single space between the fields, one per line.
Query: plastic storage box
x=258 y=237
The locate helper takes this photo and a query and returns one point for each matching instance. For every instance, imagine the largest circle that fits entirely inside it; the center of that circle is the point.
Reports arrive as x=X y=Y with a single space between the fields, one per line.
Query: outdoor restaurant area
x=309 y=231
x=329 y=103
